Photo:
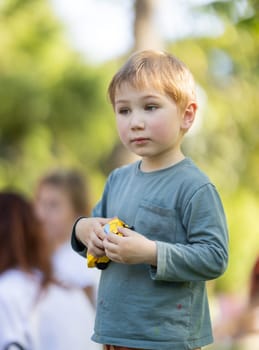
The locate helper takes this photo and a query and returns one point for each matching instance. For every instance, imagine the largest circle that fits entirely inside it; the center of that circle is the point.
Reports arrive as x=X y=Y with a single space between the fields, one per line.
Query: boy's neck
x=148 y=165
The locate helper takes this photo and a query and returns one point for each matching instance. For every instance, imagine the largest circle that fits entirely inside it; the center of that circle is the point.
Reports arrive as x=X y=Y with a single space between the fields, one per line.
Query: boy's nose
x=137 y=122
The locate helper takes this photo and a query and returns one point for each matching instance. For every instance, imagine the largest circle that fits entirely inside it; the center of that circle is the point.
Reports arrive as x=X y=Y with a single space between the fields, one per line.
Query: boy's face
x=150 y=125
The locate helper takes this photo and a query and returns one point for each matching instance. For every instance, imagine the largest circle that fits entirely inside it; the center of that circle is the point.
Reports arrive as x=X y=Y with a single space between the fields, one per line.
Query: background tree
x=226 y=146
x=52 y=101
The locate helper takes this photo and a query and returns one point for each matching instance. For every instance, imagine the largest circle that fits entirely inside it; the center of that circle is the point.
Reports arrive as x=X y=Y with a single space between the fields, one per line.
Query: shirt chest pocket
x=156 y=222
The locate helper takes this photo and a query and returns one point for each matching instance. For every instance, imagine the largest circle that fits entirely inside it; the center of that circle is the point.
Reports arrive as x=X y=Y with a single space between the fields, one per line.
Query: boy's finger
x=113 y=238
x=125 y=231
x=104 y=221
x=98 y=231
x=97 y=252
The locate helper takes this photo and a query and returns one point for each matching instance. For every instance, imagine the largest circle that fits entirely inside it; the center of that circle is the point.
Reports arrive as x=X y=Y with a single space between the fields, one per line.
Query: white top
x=71 y=268
x=17 y=297
x=62 y=319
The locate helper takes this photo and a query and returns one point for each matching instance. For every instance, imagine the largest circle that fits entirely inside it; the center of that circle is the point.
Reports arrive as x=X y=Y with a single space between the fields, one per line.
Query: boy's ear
x=189 y=115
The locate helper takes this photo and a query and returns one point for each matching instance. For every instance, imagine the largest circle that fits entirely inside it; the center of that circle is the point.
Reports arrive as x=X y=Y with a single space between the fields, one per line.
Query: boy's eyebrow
x=121 y=101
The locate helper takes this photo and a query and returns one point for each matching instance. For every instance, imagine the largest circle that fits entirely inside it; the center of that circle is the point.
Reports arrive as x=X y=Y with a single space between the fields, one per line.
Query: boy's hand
x=132 y=248
x=90 y=232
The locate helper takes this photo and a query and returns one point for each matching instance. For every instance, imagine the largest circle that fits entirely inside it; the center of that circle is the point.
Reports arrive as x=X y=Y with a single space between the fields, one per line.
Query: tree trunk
x=146 y=31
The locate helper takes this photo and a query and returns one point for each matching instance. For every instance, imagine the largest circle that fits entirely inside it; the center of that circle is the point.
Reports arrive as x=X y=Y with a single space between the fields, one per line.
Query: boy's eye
x=123 y=110
x=151 y=107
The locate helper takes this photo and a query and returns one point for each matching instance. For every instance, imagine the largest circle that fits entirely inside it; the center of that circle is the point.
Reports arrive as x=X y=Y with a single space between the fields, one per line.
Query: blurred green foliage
x=225 y=143
x=54 y=111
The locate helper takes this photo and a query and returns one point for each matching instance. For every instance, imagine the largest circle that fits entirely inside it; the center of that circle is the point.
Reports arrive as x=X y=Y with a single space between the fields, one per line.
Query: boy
x=153 y=294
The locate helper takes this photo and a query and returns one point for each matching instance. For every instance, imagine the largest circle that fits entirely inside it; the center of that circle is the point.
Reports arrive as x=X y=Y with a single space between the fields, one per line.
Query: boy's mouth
x=140 y=140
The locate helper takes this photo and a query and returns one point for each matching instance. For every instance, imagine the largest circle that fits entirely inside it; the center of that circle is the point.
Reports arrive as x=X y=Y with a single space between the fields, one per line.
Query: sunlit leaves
x=227 y=144
x=52 y=103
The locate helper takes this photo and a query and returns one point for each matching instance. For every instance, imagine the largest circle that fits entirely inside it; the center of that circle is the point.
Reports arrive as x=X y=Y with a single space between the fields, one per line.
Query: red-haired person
x=246 y=335
x=240 y=330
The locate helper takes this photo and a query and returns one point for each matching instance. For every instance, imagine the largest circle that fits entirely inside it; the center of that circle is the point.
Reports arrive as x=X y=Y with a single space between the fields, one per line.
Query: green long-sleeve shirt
x=166 y=307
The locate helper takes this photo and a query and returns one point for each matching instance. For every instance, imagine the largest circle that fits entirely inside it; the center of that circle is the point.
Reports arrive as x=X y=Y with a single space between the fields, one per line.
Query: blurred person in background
x=241 y=330
x=61 y=197
x=36 y=313
x=246 y=332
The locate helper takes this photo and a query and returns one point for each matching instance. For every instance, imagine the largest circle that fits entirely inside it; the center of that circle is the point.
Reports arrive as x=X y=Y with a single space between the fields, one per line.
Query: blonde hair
x=161 y=70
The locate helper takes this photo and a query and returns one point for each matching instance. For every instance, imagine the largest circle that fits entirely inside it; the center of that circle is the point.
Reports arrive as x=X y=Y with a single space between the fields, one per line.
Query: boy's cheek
x=123 y=134
x=160 y=133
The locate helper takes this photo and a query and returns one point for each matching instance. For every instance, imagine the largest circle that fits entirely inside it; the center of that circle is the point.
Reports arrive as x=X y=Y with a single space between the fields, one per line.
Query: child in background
x=246 y=335
x=241 y=330
x=61 y=196
x=153 y=293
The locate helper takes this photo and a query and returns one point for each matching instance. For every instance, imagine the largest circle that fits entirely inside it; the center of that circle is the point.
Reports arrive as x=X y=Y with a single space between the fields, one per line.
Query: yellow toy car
x=102 y=262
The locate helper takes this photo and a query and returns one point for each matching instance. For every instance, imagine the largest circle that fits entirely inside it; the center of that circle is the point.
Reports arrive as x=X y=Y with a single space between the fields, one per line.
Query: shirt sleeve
x=205 y=255
x=77 y=246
